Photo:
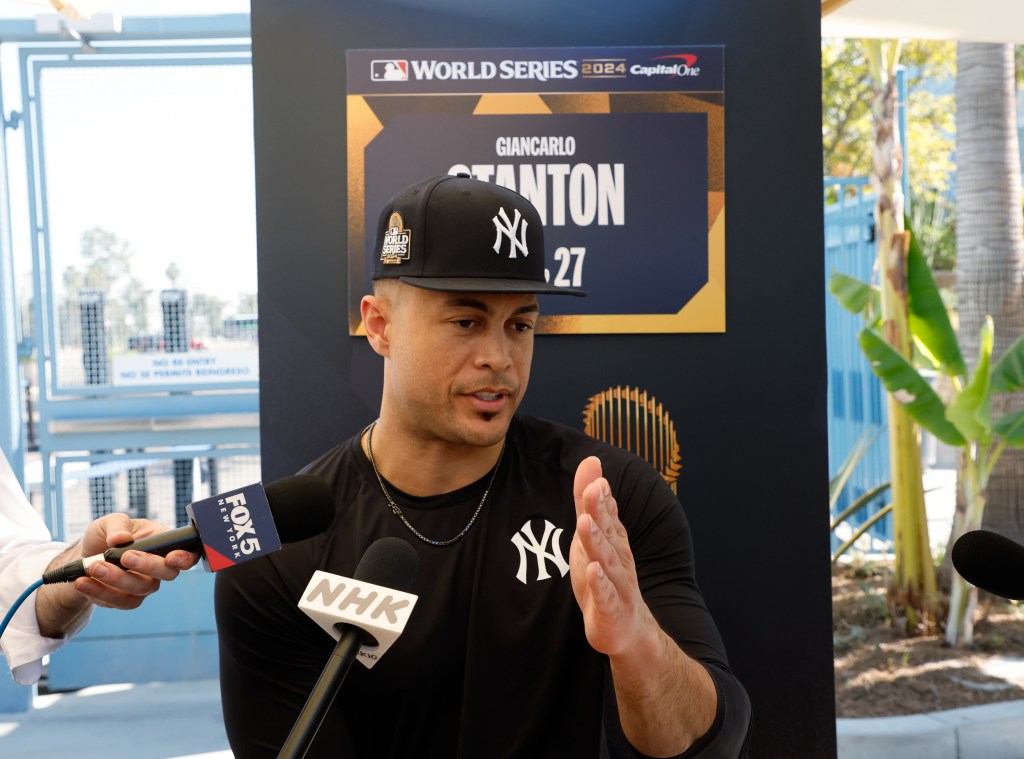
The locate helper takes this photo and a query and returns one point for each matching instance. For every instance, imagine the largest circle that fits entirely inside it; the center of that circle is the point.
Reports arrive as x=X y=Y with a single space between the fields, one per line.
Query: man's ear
x=375 y=314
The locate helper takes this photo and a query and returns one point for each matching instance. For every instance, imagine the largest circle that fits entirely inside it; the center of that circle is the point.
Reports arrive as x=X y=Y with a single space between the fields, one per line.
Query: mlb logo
x=389 y=71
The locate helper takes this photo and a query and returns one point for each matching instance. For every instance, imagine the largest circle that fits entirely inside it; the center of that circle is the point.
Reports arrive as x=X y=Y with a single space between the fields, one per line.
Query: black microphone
x=373 y=607
x=992 y=562
x=232 y=527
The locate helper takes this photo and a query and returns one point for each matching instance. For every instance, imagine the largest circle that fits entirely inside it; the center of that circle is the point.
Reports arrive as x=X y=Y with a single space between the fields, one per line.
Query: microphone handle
x=185 y=538
x=312 y=715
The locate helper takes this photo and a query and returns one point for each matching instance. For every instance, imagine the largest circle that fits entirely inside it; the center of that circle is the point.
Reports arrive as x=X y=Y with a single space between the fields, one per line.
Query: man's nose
x=495 y=350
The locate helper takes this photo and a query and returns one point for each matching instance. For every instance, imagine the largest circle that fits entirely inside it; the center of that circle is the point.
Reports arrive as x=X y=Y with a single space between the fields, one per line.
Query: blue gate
x=142 y=400
x=855 y=395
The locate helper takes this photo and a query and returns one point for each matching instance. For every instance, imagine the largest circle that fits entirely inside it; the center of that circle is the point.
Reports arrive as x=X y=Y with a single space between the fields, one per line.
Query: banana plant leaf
x=853 y=458
x=929 y=320
x=857 y=297
x=876 y=517
x=909 y=388
x=859 y=504
x=1011 y=428
x=970 y=411
x=1008 y=373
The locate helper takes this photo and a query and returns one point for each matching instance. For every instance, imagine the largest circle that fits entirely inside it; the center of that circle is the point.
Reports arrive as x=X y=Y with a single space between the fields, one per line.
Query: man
x=511 y=650
x=55 y=613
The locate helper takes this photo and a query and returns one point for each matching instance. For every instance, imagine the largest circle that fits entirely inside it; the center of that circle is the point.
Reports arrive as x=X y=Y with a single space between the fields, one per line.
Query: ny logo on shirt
x=525 y=541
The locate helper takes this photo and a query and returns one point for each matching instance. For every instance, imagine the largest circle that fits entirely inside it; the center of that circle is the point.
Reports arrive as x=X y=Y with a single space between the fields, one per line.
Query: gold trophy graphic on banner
x=629 y=418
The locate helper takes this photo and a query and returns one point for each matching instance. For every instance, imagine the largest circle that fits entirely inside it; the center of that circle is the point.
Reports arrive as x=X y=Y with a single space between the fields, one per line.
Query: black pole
x=320 y=700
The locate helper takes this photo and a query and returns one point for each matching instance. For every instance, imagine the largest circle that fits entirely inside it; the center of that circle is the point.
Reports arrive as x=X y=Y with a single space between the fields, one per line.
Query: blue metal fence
x=107 y=439
x=172 y=636
x=855 y=395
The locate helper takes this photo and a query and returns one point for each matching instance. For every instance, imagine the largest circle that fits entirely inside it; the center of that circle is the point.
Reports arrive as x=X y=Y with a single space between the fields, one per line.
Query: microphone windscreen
x=991 y=562
x=389 y=562
x=302 y=505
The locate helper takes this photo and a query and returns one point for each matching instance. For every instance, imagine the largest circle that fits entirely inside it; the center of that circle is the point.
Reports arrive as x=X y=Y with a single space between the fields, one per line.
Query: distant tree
x=136 y=302
x=107 y=259
x=848 y=138
x=173 y=273
x=69 y=327
x=105 y=265
x=206 y=315
x=247 y=303
x=847 y=129
x=73 y=279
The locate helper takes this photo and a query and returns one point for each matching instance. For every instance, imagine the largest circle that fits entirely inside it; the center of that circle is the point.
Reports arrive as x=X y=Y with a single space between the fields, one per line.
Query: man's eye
x=464 y=323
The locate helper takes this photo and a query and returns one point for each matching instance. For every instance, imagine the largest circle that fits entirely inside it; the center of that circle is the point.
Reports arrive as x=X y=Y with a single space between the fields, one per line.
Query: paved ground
x=183 y=721
x=995 y=731
x=151 y=721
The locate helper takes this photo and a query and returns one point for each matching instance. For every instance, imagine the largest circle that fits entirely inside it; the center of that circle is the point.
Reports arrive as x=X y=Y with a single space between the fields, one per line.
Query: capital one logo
x=544 y=550
x=504 y=227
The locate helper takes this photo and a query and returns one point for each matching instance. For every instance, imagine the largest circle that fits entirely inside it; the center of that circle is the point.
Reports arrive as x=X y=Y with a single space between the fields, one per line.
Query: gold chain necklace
x=368 y=431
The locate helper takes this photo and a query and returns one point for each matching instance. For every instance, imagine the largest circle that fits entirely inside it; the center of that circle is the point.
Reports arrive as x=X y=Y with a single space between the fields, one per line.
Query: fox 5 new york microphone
x=232 y=527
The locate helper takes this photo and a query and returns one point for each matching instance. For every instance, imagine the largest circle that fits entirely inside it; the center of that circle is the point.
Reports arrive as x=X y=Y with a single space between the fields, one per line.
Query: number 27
x=565 y=257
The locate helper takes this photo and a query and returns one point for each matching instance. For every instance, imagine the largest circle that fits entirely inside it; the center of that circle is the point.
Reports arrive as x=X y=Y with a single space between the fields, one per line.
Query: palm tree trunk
x=990 y=241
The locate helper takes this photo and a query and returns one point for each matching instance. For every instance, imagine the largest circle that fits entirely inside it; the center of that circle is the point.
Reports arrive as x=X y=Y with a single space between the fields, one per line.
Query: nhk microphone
x=232 y=527
x=374 y=602
x=365 y=614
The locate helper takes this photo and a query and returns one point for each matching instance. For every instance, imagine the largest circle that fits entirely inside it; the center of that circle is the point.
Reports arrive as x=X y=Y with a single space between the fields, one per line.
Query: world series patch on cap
x=458 y=234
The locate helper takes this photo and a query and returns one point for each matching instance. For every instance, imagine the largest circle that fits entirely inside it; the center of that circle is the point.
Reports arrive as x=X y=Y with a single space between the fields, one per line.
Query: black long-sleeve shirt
x=494 y=660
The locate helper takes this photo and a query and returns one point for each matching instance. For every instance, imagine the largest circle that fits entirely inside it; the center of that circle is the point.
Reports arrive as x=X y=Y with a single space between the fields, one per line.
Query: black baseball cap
x=459 y=234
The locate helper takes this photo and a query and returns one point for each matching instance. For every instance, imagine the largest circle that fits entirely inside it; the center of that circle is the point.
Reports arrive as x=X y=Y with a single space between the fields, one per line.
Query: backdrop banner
x=620 y=149
x=610 y=116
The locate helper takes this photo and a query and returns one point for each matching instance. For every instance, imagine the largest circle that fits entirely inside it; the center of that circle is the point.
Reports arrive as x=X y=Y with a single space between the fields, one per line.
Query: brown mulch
x=880 y=672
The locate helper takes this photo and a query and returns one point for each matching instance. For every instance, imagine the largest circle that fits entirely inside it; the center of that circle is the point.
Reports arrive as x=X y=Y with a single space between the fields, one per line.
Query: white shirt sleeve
x=25 y=551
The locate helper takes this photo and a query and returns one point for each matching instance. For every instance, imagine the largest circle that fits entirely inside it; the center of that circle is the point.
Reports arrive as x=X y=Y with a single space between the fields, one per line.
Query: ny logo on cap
x=509 y=229
x=397 y=241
